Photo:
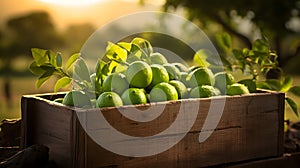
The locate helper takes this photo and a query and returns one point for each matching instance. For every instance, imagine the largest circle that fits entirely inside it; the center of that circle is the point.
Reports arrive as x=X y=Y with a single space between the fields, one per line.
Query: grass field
x=26 y=85
x=19 y=86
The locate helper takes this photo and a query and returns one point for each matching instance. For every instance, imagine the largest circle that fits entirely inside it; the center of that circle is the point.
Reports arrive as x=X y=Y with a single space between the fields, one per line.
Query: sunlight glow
x=72 y=2
x=90 y=2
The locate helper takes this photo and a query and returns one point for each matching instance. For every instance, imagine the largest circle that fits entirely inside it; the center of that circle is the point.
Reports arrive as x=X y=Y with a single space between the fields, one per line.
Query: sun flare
x=72 y=2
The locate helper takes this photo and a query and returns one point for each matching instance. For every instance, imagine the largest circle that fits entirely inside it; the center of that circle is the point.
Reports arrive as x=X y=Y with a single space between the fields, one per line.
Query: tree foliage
x=34 y=30
x=272 y=17
x=28 y=31
x=76 y=34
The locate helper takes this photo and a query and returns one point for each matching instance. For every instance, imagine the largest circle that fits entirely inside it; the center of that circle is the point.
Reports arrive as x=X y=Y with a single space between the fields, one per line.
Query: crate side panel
x=248 y=130
x=50 y=125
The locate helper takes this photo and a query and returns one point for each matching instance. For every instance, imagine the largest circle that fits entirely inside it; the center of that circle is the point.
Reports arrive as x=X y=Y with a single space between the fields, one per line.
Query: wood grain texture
x=251 y=127
x=288 y=160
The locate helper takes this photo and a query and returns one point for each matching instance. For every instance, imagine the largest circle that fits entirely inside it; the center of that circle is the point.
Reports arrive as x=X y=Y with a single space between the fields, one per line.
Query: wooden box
x=251 y=127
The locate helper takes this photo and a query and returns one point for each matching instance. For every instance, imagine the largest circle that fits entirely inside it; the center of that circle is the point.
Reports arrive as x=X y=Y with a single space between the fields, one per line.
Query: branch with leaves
x=47 y=64
x=257 y=62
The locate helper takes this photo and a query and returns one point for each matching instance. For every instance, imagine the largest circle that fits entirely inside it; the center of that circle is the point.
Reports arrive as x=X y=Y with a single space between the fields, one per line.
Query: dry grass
x=19 y=86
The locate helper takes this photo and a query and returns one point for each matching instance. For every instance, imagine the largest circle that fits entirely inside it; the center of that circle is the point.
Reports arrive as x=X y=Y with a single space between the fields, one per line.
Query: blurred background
x=64 y=25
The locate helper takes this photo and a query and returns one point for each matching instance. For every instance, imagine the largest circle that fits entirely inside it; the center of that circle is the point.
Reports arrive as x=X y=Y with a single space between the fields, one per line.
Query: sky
x=74 y=11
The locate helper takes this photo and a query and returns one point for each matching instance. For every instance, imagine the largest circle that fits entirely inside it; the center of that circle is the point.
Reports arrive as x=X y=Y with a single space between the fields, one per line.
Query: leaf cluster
x=47 y=64
x=257 y=62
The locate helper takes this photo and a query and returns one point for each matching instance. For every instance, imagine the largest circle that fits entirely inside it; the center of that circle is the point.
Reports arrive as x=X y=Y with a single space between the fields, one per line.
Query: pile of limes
x=157 y=80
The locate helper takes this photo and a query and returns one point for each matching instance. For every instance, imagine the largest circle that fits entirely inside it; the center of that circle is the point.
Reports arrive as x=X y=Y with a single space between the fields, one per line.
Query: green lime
x=181 y=67
x=115 y=82
x=158 y=58
x=159 y=74
x=77 y=98
x=163 y=92
x=183 y=78
x=222 y=80
x=173 y=72
x=139 y=74
x=180 y=88
x=204 y=91
x=134 y=96
x=237 y=89
x=109 y=99
x=201 y=76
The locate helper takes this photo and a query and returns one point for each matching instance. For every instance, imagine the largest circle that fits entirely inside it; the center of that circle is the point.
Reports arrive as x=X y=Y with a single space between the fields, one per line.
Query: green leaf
x=144 y=45
x=52 y=58
x=295 y=90
x=58 y=60
x=44 y=77
x=36 y=69
x=115 y=52
x=200 y=57
x=224 y=41
x=287 y=84
x=39 y=56
x=99 y=67
x=250 y=84
x=293 y=105
x=125 y=45
x=274 y=84
x=121 y=68
x=134 y=48
x=105 y=70
x=261 y=45
x=112 y=66
x=263 y=85
x=47 y=66
x=62 y=82
x=71 y=60
x=81 y=70
x=238 y=54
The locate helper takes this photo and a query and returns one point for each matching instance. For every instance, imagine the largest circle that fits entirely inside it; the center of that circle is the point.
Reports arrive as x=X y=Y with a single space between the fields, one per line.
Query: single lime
x=134 y=96
x=163 y=92
x=159 y=74
x=204 y=91
x=109 y=99
x=183 y=78
x=237 y=89
x=139 y=74
x=201 y=76
x=173 y=72
x=222 y=80
x=158 y=58
x=115 y=82
x=77 y=98
x=180 y=88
